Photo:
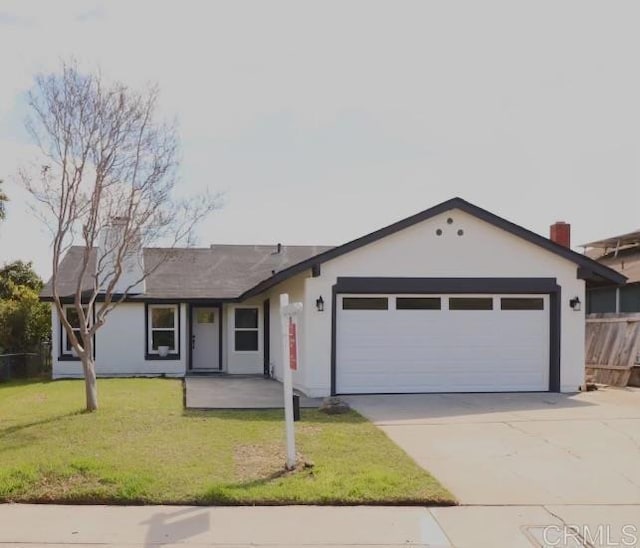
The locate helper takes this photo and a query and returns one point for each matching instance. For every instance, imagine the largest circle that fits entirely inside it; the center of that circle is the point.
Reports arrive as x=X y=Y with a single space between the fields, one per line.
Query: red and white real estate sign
x=293 y=346
x=288 y=313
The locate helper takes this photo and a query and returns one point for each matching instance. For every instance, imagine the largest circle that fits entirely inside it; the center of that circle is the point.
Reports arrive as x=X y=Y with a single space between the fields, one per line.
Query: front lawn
x=143 y=447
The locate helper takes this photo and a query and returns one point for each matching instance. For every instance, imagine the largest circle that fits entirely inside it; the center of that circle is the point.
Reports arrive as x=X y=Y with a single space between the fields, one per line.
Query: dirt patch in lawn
x=52 y=486
x=263 y=461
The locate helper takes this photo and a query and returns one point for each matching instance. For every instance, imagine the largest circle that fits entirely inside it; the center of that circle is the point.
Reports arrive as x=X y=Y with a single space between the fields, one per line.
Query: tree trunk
x=90 y=384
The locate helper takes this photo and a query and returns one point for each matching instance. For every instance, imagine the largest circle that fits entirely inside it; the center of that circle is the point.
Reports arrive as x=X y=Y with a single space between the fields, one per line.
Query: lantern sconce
x=320 y=304
x=575 y=304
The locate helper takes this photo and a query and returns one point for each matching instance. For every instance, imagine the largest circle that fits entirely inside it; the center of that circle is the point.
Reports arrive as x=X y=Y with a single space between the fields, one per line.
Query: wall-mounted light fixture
x=575 y=304
x=320 y=303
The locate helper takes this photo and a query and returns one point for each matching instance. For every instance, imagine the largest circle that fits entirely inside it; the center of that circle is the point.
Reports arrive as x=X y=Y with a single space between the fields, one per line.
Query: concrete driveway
x=520 y=448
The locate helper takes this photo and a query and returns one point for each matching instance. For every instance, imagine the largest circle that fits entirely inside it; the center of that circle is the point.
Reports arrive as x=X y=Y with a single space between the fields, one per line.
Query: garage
x=461 y=342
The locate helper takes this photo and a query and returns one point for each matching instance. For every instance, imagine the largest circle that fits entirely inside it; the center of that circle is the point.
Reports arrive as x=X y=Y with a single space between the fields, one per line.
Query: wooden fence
x=612 y=346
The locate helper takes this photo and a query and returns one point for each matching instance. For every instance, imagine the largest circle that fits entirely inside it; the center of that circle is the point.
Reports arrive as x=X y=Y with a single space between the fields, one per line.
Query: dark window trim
x=365 y=299
x=191 y=309
x=539 y=304
x=63 y=355
x=457 y=302
x=256 y=329
x=68 y=358
x=459 y=285
x=432 y=300
x=169 y=357
x=266 y=334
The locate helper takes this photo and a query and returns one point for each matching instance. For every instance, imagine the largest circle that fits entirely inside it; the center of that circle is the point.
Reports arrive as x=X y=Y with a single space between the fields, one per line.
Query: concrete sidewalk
x=314 y=526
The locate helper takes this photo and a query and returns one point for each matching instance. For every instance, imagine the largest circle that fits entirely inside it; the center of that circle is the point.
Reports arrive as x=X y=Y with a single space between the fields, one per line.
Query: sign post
x=288 y=313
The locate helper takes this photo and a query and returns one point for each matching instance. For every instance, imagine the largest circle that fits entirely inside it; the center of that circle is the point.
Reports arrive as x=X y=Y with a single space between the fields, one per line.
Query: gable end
x=588 y=269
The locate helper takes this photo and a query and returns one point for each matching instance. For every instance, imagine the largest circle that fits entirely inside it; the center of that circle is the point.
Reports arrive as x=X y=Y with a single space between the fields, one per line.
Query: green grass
x=143 y=447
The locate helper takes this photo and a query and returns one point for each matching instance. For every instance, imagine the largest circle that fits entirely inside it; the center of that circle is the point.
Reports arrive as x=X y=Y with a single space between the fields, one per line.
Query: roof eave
x=150 y=299
x=588 y=269
x=597 y=277
x=600 y=271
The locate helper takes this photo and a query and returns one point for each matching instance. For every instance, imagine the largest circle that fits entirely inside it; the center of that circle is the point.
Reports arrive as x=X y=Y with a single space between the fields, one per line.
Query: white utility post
x=288 y=313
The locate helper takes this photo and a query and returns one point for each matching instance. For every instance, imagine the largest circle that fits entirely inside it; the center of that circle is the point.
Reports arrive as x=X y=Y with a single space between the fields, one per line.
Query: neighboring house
x=452 y=299
x=621 y=253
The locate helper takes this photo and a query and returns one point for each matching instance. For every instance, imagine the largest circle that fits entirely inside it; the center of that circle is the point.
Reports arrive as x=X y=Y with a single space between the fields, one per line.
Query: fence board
x=612 y=344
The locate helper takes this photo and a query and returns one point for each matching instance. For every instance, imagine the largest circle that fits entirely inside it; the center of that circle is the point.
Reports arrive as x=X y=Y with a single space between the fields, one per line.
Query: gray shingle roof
x=216 y=272
x=229 y=271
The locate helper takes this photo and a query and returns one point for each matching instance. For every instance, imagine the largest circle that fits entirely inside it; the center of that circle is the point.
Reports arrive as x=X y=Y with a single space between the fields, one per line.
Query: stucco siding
x=294 y=287
x=242 y=362
x=466 y=248
x=481 y=251
x=120 y=347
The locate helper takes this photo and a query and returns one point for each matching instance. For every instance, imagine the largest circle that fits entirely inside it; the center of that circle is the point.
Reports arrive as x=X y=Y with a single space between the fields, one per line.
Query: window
x=630 y=298
x=418 y=303
x=365 y=303
x=246 y=329
x=601 y=300
x=163 y=329
x=521 y=303
x=72 y=317
x=205 y=316
x=471 y=303
x=71 y=314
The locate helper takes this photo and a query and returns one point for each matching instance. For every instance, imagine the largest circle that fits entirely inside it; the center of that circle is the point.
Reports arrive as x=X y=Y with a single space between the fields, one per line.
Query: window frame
x=422 y=298
x=174 y=353
x=459 y=299
x=351 y=301
x=255 y=329
x=64 y=354
x=509 y=304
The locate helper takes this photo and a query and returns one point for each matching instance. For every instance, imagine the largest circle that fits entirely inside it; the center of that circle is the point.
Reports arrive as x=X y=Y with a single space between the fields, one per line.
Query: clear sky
x=322 y=121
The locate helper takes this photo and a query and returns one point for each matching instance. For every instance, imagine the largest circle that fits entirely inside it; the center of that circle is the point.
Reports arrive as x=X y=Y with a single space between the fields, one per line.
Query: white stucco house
x=452 y=299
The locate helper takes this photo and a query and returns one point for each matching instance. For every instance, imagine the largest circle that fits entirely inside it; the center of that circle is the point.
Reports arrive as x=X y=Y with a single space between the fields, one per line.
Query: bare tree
x=107 y=185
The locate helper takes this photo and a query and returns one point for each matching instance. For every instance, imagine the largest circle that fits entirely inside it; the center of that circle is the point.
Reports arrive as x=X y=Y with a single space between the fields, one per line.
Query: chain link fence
x=26 y=365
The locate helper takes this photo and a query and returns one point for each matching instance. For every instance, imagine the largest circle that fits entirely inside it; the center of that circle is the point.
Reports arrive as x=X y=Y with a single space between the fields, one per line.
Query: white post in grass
x=288 y=312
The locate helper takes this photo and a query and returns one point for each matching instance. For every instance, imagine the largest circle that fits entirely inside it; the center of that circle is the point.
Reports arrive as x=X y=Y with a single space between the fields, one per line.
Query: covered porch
x=237 y=392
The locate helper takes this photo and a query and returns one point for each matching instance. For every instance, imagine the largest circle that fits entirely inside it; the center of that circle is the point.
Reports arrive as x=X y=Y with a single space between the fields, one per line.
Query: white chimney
x=132 y=262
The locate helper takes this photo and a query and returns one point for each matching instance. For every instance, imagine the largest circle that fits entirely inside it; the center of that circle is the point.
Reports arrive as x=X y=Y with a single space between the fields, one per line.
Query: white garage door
x=442 y=343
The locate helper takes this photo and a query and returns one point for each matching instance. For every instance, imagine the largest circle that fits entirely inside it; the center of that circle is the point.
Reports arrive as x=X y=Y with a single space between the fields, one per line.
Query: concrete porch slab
x=238 y=392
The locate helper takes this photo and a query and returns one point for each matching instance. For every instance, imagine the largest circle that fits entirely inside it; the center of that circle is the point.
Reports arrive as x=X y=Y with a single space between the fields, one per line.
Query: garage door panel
x=414 y=383
x=442 y=350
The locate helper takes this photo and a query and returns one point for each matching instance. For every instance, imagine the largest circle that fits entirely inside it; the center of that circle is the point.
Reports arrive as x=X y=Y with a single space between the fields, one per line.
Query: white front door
x=205 y=338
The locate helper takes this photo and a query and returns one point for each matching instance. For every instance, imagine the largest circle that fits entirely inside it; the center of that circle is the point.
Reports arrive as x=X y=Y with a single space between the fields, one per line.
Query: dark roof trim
x=67 y=299
x=446 y=285
x=597 y=271
x=588 y=274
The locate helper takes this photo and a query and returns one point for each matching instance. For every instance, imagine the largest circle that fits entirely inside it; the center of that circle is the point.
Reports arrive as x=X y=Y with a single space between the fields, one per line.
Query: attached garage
x=402 y=343
x=451 y=299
